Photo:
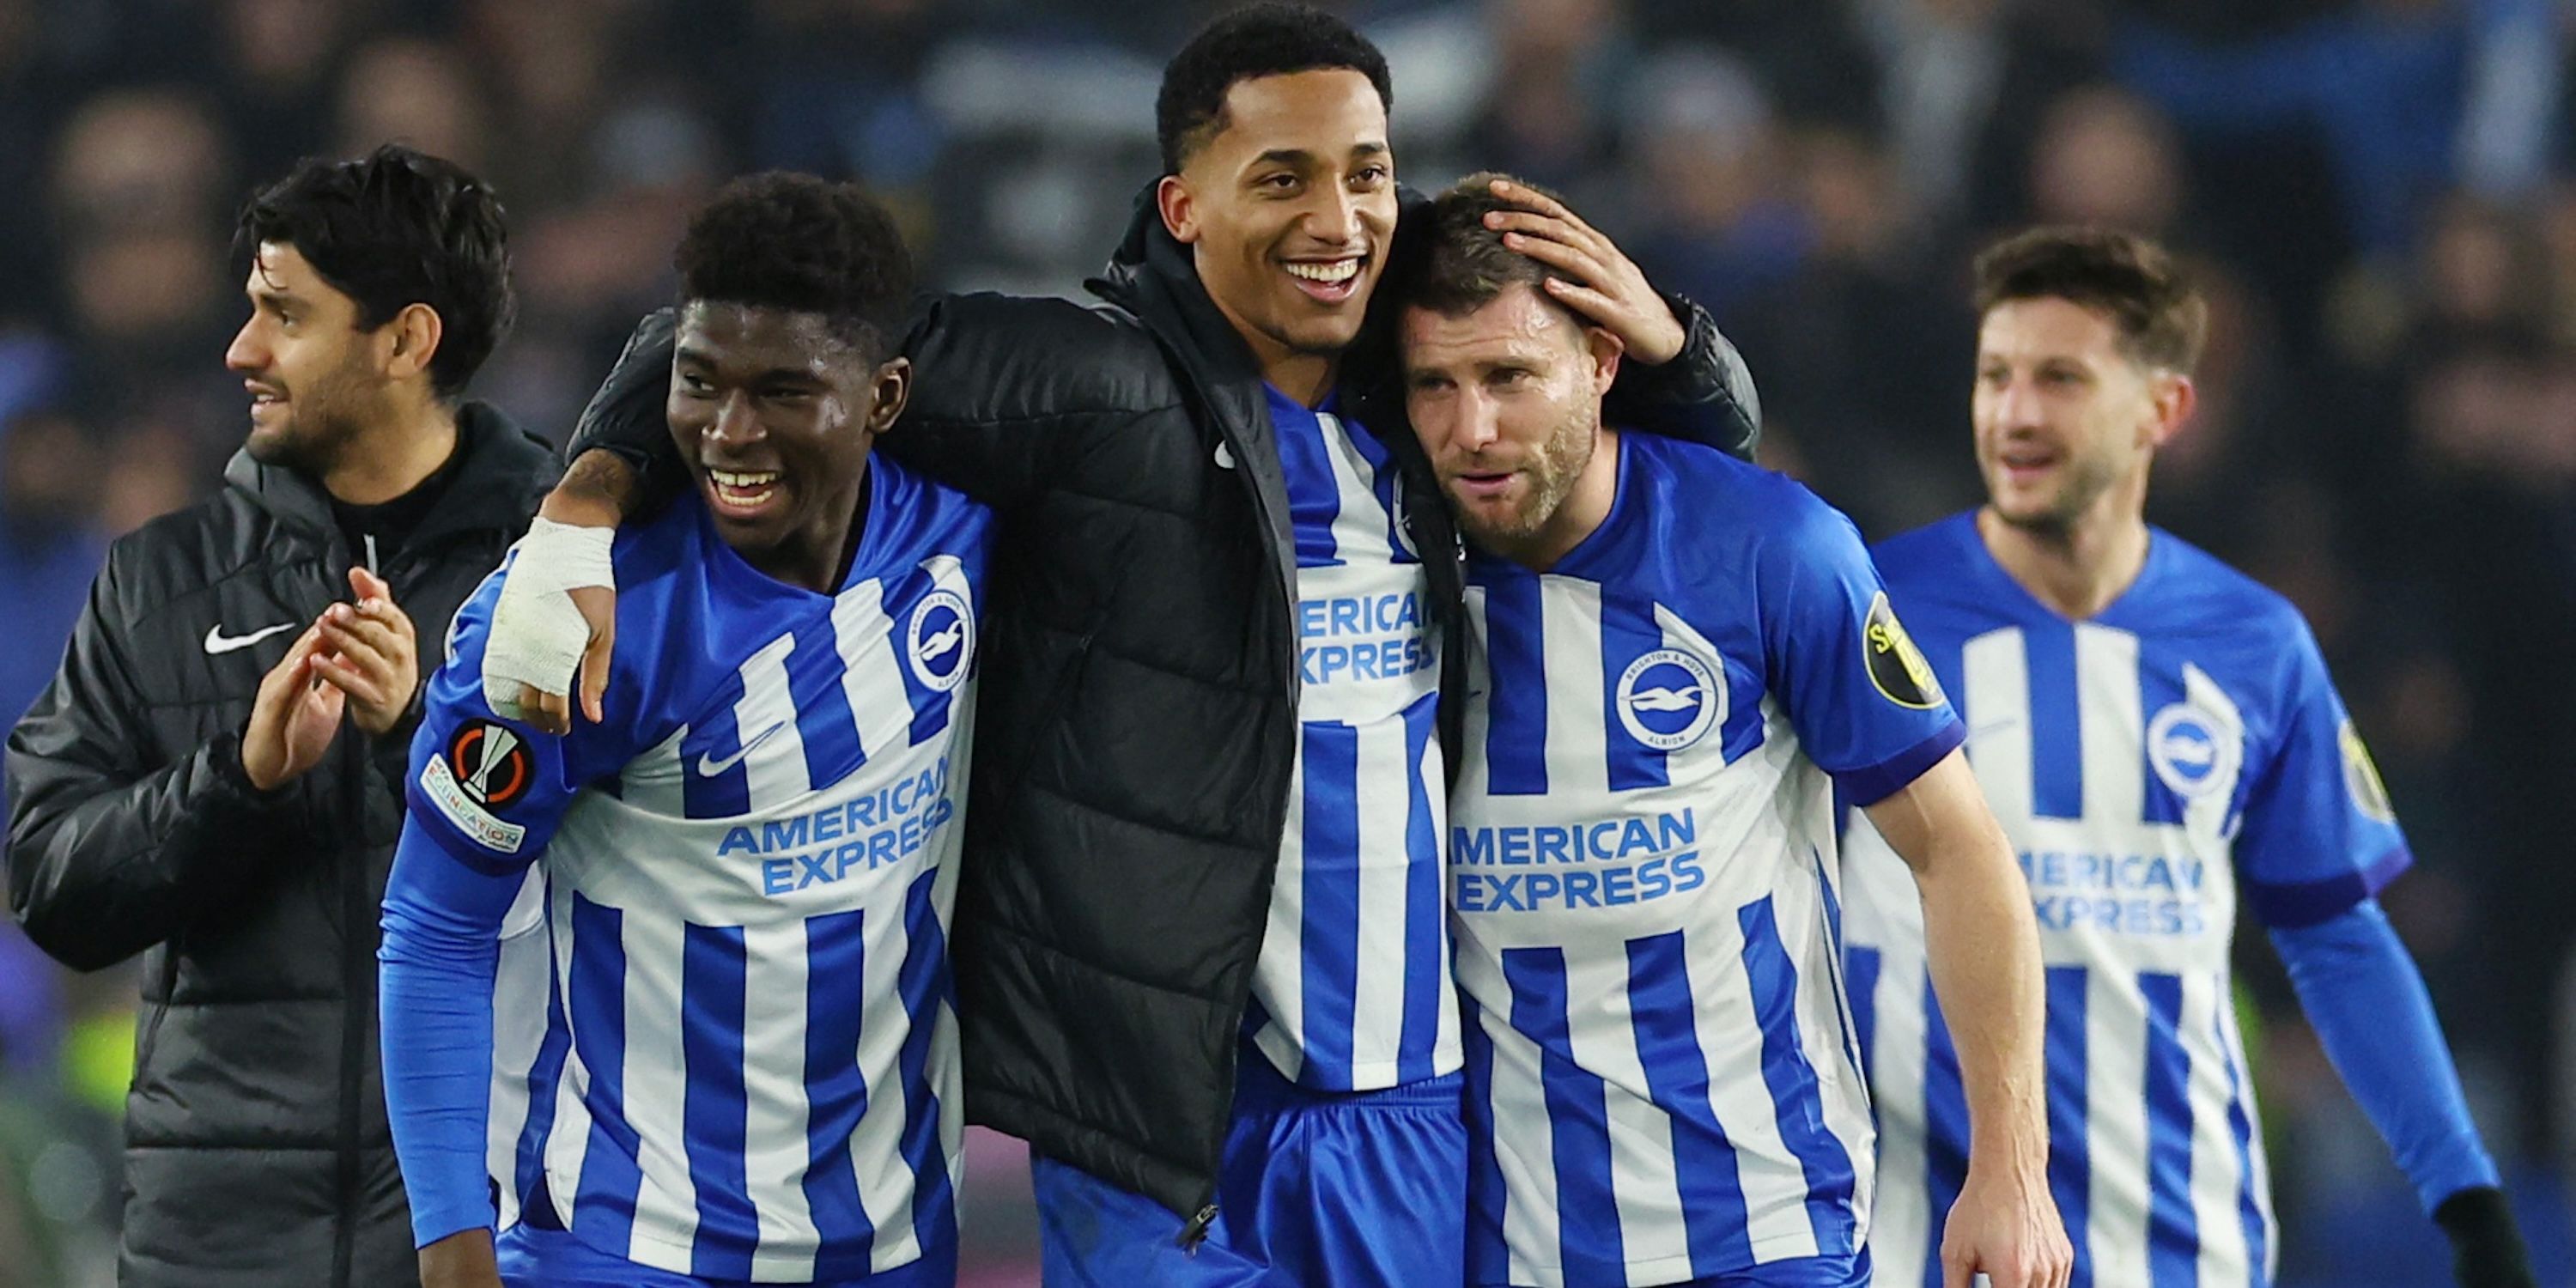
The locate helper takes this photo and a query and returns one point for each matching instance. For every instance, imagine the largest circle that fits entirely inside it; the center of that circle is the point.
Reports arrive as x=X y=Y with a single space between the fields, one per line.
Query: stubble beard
x=1561 y=462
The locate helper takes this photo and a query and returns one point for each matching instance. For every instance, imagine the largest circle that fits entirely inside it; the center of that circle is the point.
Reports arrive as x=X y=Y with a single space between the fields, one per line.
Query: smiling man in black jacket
x=1199 y=942
x=215 y=774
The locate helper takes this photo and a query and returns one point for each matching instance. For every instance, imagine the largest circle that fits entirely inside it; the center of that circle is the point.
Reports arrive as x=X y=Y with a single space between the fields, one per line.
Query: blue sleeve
x=489 y=790
x=442 y=928
x=1866 y=705
x=2368 y=1006
x=2319 y=834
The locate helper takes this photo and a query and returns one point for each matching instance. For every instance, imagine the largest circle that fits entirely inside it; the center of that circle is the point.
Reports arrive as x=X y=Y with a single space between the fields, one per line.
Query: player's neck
x=2076 y=570
x=398 y=452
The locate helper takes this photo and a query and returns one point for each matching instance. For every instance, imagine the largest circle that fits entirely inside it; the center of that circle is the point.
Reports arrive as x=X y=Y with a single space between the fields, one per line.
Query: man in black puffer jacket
x=1183 y=493
x=215 y=775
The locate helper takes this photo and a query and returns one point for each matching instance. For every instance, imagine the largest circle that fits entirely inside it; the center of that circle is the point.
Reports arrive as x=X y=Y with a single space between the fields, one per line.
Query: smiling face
x=1287 y=209
x=315 y=380
x=1507 y=401
x=774 y=412
x=2066 y=419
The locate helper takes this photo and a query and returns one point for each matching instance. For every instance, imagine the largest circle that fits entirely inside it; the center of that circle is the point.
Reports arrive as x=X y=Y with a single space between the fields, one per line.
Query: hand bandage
x=538 y=635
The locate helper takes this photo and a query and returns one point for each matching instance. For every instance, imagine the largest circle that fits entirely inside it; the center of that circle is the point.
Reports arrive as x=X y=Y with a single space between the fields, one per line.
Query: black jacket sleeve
x=999 y=383
x=109 y=854
x=1704 y=395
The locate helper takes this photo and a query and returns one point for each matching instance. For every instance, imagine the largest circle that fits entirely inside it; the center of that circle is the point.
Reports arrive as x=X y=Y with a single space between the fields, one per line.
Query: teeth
x=1340 y=270
x=729 y=478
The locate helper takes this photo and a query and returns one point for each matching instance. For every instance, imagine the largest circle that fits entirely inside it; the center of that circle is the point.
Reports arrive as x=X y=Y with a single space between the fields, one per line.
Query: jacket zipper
x=1196 y=1232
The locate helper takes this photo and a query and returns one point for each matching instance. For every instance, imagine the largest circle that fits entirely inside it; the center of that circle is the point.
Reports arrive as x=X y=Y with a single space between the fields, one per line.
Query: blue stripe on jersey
x=713 y=974
x=929 y=702
x=1385 y=482
x=2070 y=1161
x=727 y=795
x=1945 y=1115
x=1774 y=980
x=1516 y=691
x=2158 y=688
x=2173 y=1237
x=1426 y=917
x=2056 y=739
x=1331 y=897
x=1666 y=1020
x=2240 y=1125
x=824 y=722
x=835 y=955
x=1628 y=632
x=1578 y=1115
x=603 y=1206
x=924 y=984
x=1313 y=499
x=1843 y=1018
x=1488 y=1255
x=545 y=1076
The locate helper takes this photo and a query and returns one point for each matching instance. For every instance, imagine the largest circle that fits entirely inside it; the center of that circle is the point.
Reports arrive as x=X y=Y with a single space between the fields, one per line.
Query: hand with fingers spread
x=371 y=654
x=1598 y=280
x=293 y=718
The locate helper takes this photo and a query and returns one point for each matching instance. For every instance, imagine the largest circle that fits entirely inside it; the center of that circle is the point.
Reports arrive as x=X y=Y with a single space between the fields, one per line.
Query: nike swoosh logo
x=1992 y=727
x=1224 y=457
x=218 y=642
x=710 y=767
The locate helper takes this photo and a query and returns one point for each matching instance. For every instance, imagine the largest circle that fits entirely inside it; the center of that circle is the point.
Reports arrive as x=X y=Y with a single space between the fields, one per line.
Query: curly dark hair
x=392 y=229
x=2160 y=313
x=1446 y=259
x=793 y=241
x=1269 y=39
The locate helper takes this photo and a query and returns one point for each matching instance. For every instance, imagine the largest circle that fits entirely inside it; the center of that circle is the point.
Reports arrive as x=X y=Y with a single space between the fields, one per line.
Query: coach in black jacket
x=216 y=654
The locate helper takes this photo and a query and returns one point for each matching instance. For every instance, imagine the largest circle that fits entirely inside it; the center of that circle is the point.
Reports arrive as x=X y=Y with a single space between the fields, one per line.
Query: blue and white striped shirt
x=2149 y=764
x=1663 y=1080
x=1352 y=991
x=748 y=1066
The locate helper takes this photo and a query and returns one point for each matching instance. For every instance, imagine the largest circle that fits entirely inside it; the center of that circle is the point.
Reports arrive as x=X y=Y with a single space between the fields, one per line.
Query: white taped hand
x=538 y=634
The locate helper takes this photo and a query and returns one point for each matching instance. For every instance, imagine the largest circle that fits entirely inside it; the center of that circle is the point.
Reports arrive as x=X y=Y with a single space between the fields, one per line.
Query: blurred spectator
x=1712 y=219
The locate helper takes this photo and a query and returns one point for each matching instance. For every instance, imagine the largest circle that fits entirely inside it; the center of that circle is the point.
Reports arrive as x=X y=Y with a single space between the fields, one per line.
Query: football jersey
x=747 y=1067
x=1351 y=991
x=1663 y=1078
x=2150 y=764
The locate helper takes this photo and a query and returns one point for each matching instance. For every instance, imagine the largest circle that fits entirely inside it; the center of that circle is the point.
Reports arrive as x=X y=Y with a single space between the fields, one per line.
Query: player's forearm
x=1983 y=946
x=599 y=491
x=441 y=931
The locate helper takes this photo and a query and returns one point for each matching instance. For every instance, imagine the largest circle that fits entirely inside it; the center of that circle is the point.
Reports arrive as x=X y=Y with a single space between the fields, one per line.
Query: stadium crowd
x=2379 y=195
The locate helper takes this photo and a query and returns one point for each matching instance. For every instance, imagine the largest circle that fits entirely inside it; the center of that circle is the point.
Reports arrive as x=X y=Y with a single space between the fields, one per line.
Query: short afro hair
x=1446 y=259
x=392 y=229
x=2161 y=315
x=1269 y=39
x=781 y=240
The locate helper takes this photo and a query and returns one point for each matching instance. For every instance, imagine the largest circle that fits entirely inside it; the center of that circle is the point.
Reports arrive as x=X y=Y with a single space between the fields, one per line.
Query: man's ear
x=414 y=334
x=892 y=385
x=2174 y=397
x=1179 y=208
x=1605 y=348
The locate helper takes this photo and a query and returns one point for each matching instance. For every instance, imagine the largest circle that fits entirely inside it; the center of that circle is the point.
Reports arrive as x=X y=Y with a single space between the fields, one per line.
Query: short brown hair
x=2160 y=313
x=1446 y=259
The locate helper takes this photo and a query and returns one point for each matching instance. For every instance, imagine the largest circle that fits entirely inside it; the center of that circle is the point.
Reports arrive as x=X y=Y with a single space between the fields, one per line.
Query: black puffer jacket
x=257 y=1154
x=1138 y=712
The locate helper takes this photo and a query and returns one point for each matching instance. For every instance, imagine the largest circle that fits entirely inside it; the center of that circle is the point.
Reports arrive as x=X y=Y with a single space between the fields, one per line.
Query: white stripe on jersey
x=656 y=1076
x=775 y=1150
x=1578 y=753
x=1997 y=709
x=2115 y=1128
x=519 y=981
x=2106 y=686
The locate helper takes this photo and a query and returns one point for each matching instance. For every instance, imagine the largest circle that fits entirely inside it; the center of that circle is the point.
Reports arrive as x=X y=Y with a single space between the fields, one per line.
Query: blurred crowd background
x=2380 y=196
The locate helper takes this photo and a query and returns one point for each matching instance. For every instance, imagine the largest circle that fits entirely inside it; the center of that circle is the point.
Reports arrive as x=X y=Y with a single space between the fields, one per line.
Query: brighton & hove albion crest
x=1669 y=699
x=2191 y=750
x=940 y=639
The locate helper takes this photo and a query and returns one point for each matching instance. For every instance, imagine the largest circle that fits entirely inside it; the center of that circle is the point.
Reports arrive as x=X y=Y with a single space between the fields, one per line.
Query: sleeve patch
x=2361 y=777
x=1897 y=668
x=485 y=767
